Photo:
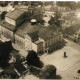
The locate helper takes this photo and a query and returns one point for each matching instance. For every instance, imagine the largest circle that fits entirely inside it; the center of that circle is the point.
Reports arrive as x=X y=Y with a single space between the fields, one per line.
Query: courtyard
x=66 y=67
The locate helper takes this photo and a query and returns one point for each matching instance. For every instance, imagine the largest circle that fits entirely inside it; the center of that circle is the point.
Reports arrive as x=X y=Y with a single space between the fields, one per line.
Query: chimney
x=33 y=21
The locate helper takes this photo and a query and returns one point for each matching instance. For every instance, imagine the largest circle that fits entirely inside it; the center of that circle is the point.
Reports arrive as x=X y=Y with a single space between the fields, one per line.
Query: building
x=77 y=37
x=15 y=19
x=12 y=21
x=28 y=35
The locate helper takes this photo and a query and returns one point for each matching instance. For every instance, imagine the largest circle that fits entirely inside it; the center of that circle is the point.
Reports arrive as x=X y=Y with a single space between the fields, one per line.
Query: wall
x=43 y=42
x=20 y=19
x=61 y=37
x=28 y=43
x=16 y=22
x=0 y=30
x=52 y=40
x=11 y=21
x=40 y=47
x=34 y=47
x=19 y=41
x=7 y=33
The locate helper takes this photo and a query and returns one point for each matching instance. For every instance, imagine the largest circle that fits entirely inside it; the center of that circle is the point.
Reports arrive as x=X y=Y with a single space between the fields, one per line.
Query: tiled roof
x=15 y=14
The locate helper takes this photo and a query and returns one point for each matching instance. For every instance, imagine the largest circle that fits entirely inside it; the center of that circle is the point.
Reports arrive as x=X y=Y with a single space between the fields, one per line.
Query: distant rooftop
x=21 y=7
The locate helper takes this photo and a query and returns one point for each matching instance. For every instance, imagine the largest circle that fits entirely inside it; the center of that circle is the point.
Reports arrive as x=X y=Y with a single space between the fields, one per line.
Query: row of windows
x=19 y=42
x=40 y=46
x=52 y=41
x=7 y=35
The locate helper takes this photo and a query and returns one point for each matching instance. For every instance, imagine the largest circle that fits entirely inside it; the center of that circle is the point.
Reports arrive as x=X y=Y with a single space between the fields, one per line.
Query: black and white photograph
x=40 y=40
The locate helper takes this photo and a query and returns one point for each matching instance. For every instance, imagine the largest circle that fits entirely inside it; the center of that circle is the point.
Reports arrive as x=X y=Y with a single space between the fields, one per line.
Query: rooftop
x=47 y=32
x=7 y=25
x=15 y=14
x=26 y=27
x=36 y=30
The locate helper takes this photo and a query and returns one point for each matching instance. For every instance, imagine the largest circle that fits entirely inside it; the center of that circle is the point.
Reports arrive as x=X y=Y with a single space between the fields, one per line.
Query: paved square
x=66 y=67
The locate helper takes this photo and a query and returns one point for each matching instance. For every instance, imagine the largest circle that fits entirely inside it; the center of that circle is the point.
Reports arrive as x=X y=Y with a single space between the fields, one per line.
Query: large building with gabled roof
x=15 y=17
x=28 y=35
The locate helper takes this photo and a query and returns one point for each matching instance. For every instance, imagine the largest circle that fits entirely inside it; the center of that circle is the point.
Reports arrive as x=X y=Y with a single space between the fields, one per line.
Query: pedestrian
x=65 y=54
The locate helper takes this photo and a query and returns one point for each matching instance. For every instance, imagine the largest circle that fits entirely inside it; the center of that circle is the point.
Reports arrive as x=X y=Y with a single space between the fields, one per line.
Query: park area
x=67 y=67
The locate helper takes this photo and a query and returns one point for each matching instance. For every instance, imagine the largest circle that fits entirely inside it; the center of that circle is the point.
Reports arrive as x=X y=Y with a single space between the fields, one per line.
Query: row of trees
x=32 y=3
x=71 y=4
x=4 y=3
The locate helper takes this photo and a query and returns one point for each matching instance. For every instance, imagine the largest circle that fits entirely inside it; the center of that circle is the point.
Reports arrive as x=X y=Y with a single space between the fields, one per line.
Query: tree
x=36 y=3
x=39 y=19
x=33 y=59
x=4 y=3
x=71 y=4
x=55 y=20
x=37 y=13
x=52 y=20
x=15 y=2
x=9 y=73
x=5 y=49
x=26 y=2
x=48 y=72
x=3 y=14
